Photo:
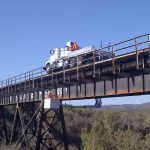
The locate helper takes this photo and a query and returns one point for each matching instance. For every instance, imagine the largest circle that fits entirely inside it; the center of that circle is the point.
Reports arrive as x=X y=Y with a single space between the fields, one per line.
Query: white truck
x=67 y=56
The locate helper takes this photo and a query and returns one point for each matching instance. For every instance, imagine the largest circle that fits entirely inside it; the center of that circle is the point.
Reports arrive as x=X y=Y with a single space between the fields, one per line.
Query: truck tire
x=48 y=67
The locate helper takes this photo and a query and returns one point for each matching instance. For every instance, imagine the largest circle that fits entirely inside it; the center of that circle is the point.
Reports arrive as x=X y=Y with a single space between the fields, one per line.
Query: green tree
x=108 y=133
x=101 y=136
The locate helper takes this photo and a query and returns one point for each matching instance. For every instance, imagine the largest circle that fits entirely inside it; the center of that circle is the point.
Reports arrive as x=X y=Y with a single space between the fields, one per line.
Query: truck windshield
x=52 y=51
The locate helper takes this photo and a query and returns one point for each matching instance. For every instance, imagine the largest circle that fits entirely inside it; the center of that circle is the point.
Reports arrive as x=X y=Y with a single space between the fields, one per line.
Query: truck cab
x=67 y=56
x=56 y=58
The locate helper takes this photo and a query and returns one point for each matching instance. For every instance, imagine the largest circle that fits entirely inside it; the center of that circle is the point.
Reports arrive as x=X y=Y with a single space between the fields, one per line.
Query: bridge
x=35 y=127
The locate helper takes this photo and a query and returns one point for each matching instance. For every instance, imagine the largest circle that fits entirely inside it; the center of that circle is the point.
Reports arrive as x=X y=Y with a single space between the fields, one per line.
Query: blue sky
x=28 y=29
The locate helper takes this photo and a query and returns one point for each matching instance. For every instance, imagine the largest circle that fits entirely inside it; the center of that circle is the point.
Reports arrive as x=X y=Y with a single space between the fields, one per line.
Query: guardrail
x=112 y=51
x=28 y=76
x=132 y=45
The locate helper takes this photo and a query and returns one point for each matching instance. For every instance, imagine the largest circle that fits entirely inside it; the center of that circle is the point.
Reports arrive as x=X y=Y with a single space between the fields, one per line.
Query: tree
x=107 y=133
x=101 y=136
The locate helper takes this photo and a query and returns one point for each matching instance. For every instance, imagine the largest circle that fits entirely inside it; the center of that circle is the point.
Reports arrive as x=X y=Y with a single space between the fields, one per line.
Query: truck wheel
x=48 y=68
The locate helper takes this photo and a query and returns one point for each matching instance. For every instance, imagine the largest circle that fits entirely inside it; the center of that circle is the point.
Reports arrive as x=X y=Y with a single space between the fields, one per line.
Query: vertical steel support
x=39 y=126
x=19 y=116
x=24 y=142
x=25 y=82
x=113 y=60
x=63 y=128
x=3 y=129
x=29 y=80
x=7 y=86
x=32 y=81
x=11 y=86
x=69 y=90
x=104 y=87
x=99 y=74
x=143 y=80
x=69 y=85
x=62 y=92
x=51 y=130
x=77 y=60
x=40 y=84
x=64 y=74
x=128 y=81
x=93 y=64
x=137 y=55
x=77 y=91
x=116 y=87
x=13 y=132
x=25 y=133
x=94 y=83
x=15 y=85
x=149 y=48
x=85 y=89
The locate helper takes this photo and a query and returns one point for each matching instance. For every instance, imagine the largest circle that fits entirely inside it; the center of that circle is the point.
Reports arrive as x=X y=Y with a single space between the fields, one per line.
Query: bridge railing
x=131 y=45
x=136 y=45
x=126 y=47
x=22 y=77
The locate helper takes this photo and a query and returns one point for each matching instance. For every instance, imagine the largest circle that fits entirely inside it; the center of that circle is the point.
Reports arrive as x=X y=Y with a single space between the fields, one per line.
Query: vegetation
x=110 y=129
x=106 y=129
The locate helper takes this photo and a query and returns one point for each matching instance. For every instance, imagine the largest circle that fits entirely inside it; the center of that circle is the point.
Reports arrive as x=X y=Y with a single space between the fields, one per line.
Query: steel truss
x=3 y=130
x=130 y=58
x=35 y=128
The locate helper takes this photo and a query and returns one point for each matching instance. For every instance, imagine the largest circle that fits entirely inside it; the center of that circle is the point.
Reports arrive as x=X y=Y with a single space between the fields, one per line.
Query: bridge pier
x=37 y=128
x=24 y=126
x=51 y=131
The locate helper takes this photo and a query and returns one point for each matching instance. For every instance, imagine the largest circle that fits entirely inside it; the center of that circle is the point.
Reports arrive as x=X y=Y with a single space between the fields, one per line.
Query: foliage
x=105 y=129
x=116 y=130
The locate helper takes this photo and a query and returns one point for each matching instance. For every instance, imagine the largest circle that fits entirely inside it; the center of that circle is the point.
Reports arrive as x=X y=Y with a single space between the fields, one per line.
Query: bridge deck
x=126 y=73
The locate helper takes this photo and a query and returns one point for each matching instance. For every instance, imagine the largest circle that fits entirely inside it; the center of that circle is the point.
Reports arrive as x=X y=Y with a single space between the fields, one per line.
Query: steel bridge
x=33 y=127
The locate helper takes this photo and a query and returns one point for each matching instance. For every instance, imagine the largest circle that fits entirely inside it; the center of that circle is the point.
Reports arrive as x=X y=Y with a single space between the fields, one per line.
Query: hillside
x=127 y=106
x=127 y=116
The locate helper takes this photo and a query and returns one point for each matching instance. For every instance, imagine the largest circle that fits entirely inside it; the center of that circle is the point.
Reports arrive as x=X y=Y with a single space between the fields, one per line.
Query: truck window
x=52 y=51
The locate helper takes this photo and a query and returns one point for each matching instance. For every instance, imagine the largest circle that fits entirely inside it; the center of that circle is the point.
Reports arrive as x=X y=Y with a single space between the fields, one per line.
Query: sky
x=29 y=29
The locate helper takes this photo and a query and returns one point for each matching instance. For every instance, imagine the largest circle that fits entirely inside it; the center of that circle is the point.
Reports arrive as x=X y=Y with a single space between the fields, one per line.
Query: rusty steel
x=126 y=73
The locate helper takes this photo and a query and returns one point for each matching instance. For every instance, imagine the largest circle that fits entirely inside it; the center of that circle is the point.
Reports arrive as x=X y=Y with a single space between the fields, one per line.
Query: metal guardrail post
x=32 y=80
x=137 y=57
x=77 y=60
x=8 y=86
x=113 y=60
x=29 y=81
x=149 y=48
x=2 y=88
x=93 y=64
x=25 y=82
x=41 y=78
x=64 y=74
x=15 y=85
